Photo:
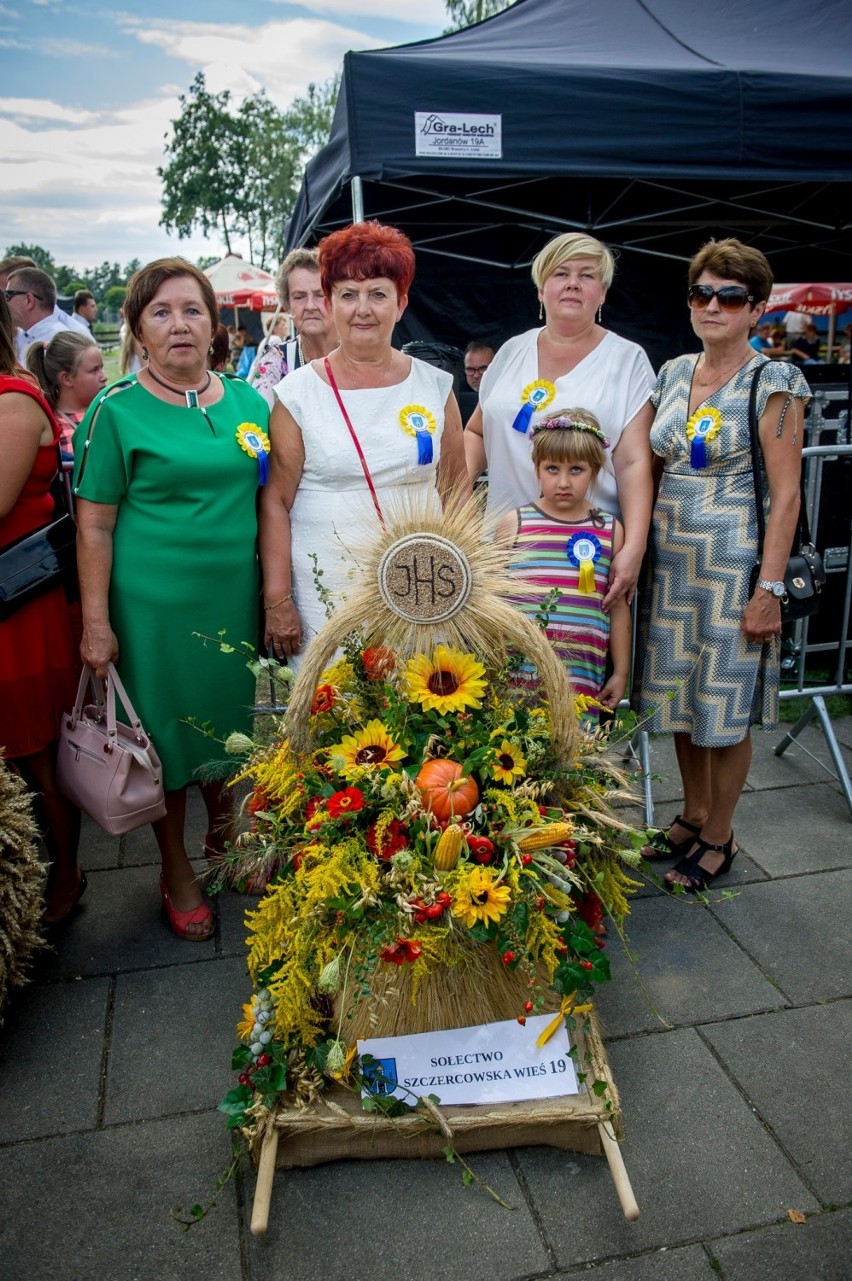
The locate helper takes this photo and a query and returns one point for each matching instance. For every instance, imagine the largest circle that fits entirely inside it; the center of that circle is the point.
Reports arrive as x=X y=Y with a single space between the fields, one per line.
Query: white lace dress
x=333 y=503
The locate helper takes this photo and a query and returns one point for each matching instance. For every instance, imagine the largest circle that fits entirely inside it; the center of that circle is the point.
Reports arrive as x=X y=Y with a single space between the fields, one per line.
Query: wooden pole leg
x=618 y=1170
x=263 y=1188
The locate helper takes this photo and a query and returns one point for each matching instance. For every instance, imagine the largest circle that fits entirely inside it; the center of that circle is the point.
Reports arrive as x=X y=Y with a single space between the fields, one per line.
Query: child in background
x=562 y=542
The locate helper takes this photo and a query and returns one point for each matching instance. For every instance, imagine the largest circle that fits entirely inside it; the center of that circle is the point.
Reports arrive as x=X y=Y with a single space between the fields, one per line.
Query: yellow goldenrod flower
x=479 y=896
x=449 y=681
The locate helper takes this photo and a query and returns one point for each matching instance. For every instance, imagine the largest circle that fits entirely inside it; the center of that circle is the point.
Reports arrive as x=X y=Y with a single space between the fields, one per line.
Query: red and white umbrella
x=820 y=298
x=238 y=283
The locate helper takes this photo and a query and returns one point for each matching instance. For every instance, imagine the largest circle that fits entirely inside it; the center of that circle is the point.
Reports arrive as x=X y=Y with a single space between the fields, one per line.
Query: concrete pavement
x=732 y=1069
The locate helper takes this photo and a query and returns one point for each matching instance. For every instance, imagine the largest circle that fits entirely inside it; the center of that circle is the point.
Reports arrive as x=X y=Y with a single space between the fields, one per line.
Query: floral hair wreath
x=563 y=423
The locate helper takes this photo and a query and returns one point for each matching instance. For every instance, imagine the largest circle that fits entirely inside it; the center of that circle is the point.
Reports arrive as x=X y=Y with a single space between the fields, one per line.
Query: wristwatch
x=777 y=589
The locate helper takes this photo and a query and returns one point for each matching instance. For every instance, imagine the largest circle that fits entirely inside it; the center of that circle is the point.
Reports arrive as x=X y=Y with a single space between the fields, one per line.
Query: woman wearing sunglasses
x=710 y=650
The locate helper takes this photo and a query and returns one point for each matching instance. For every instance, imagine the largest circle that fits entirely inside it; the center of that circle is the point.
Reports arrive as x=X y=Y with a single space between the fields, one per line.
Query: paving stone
x=98 y=849
x=692 y=970
x=798 y=932
x=795 y=767
x=691 y=1263
x=173 y=1031
x=122 y=927
x=819 y=1250
x=777 y=829
x=61 y=1026
x=331 y=1223
x=232 y=908
x=96 y=1207
x=793 y=1065
x=699 y=1161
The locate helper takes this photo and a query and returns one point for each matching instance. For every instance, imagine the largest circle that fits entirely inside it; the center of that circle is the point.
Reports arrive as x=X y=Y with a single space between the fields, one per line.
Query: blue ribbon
x=522 y=419
x=697 y=453
x=262 y=467
x=424 y=447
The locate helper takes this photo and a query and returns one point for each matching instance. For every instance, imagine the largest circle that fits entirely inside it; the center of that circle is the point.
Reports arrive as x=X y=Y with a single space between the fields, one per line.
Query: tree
x=268 y=158
x=464 y=13
x=309 y=118
x=42 y=259
x=114 y=297
x=202 y=186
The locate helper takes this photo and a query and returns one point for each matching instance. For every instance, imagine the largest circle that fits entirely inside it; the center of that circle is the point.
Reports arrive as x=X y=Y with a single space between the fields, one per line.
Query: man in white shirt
x=85 y=312
x=31 y=295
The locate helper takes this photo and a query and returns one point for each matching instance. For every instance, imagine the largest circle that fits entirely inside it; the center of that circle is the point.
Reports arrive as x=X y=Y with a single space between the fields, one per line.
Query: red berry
x=522 y=1019
x=263 y=1060
x=508 y=957
x=587 y=965
x=526 y=859
x=539 y=903
x=528 y=1005
x=244 y=1078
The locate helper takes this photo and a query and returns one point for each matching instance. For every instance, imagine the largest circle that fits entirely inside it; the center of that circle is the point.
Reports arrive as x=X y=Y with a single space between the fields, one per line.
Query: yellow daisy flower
x=449 y=681
x=509 y=762
x=369 y=748
x=246 y=1023
x=480 y=897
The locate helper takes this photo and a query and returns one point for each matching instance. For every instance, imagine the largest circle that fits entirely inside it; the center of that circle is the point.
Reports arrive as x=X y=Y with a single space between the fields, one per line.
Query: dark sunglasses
x=731 y=297
x=475 y=369
x=15 y=293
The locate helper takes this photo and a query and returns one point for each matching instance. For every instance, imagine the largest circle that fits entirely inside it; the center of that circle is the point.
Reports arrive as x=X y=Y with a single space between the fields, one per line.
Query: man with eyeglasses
x=31 y=295
x=477 y=357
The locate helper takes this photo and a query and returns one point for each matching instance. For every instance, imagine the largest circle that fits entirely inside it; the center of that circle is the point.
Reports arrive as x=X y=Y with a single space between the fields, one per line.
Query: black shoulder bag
x=39 y=560
x=804 y=575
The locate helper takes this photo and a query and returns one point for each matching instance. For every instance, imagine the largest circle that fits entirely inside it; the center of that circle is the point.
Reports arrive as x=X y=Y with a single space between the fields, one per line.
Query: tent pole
x=357 y=199
x=832 y=323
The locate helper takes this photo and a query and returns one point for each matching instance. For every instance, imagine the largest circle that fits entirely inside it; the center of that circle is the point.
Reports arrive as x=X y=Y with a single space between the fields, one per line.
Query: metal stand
x=817 y=708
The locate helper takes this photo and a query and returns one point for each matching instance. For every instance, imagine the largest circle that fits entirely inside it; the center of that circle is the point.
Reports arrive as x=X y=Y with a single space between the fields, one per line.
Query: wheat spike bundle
x=21 y=884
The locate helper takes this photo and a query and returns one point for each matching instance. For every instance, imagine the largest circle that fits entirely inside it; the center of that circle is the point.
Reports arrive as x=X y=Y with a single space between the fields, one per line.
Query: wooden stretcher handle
x=618 y=1170
x=263 y=1188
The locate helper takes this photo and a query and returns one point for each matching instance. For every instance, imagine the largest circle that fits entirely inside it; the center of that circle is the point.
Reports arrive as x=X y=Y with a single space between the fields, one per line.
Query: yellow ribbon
x=567 y=1007
x=586 y=584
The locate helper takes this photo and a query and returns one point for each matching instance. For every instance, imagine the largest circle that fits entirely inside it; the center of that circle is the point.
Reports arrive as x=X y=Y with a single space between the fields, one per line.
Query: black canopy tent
x=651 y=123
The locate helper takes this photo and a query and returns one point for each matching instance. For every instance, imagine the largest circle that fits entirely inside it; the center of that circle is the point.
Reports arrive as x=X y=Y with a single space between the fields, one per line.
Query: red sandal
x=181 y=922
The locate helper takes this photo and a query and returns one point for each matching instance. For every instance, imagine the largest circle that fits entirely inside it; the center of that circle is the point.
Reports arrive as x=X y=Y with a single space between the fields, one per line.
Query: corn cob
x=540 y=838
x=448 y=849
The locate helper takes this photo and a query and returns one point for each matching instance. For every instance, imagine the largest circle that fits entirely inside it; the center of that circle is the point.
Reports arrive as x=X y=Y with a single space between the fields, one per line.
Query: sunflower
x=246 y=1023
x=369 y=748
x=447 y=682
x=480 y=897
x=508 y=763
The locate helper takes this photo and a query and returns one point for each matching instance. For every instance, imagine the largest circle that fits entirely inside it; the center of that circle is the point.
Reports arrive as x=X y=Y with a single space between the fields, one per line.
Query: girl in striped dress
x=563 y=547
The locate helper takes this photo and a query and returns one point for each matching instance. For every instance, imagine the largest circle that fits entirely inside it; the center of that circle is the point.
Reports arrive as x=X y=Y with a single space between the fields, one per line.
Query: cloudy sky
x=87 y=95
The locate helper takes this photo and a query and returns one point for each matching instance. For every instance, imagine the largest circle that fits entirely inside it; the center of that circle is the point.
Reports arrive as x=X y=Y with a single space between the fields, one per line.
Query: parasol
x=238 y=283
x=821 y=298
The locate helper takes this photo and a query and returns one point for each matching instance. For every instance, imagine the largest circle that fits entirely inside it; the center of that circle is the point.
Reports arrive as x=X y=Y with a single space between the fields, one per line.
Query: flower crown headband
x=563 y=423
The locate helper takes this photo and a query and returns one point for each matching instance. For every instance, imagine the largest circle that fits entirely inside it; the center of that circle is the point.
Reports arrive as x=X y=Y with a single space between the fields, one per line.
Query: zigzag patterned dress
x=698 y=674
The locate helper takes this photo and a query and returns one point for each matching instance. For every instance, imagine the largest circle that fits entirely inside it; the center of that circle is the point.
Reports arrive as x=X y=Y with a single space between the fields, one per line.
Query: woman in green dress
x=166 y=484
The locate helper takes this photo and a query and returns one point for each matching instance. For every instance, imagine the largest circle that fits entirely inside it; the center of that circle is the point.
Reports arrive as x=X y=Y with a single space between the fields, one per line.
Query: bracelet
x=276 y=603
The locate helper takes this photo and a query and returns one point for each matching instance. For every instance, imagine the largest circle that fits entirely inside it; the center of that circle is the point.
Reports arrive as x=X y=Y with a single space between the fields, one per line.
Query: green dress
x=184 y=560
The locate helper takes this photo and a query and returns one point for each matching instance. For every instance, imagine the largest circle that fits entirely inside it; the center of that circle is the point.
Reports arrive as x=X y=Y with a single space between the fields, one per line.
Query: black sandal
x=664 y=848
x=698 y=878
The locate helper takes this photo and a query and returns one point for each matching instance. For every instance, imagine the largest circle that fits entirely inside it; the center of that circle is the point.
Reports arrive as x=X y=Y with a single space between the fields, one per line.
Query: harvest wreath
x=437 y=838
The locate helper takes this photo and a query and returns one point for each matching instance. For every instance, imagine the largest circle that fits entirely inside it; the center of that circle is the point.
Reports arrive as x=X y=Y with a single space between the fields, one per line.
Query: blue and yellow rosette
x=582 y=551
x=705 y=424
x=535 y=396
x=256 y=444
x=417 y=421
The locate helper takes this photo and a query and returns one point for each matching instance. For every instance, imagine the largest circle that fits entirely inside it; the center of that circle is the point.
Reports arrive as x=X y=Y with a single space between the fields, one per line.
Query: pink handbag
x=108 y=769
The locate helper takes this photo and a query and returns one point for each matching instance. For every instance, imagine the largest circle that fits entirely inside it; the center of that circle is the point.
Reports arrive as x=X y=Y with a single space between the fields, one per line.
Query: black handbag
x=37 y=562
x=804 y=575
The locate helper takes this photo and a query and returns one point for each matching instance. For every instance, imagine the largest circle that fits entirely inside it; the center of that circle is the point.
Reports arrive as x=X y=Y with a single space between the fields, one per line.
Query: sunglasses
x=475 y=369
x=15 y=293
x=730 y=297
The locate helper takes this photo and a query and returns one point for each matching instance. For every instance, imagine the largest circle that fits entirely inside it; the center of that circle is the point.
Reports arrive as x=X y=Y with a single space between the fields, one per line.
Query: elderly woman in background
x=709 y=651
x=300 y=291
x=403 y=415
x=166 y=483
x=70 y=371
x=571 y=361
x=38 y=666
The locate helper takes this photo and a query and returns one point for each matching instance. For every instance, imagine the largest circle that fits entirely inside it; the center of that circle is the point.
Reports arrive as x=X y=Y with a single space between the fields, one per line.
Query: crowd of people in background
x=645 y=480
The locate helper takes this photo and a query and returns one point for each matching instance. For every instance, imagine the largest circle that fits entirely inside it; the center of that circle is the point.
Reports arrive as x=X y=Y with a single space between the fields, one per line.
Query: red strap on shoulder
x=356 y=441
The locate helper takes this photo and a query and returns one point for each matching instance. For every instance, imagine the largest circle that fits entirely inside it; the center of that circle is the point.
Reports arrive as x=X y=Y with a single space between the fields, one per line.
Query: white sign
x=492 y=1063
x=455 y=133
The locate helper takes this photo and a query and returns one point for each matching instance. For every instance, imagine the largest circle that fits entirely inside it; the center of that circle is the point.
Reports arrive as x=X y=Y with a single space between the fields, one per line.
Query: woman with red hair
x=349 y=432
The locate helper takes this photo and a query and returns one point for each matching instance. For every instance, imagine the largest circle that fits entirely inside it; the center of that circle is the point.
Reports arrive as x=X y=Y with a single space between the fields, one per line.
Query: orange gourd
x=446 y=791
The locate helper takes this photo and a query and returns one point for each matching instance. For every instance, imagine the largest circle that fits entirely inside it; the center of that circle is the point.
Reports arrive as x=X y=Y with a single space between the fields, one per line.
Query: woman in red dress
x=38 y=667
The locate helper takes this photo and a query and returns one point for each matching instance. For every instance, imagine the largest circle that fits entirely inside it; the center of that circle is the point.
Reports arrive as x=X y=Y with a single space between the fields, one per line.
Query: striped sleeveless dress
x=577 y=626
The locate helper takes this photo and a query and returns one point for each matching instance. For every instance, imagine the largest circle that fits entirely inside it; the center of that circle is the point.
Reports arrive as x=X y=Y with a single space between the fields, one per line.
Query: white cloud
x=59 y=47
x=44 y=109
x=424 y=13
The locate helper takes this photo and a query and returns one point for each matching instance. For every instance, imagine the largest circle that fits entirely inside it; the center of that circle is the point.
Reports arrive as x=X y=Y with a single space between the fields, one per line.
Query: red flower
x=379 y=662
x=401 y=951
x=394 y=838
x=258 y=801
x=346 y=802
x=324 y=699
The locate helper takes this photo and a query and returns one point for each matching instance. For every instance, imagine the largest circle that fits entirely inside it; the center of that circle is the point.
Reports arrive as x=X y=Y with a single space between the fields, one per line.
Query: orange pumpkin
x=446 y=791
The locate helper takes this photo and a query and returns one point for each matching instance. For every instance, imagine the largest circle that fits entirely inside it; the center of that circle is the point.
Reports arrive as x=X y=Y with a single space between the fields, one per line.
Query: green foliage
x=237 y=171
x=98 y=280
x=42 y=259
x=114 y=297
x=464 y=13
